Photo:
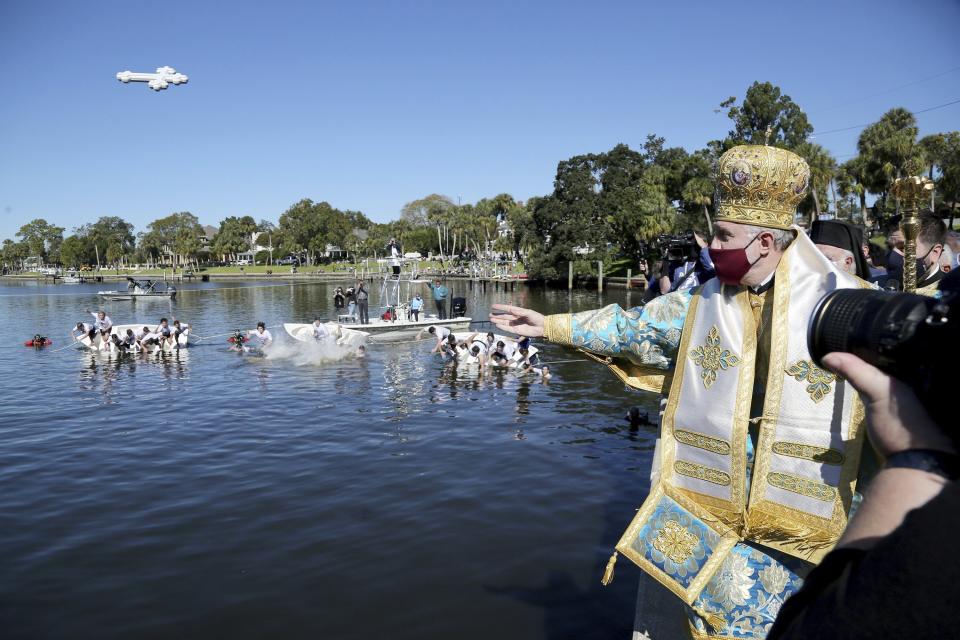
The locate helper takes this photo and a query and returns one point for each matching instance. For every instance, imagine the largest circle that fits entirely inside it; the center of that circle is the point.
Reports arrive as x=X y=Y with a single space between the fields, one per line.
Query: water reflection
x=112 y=373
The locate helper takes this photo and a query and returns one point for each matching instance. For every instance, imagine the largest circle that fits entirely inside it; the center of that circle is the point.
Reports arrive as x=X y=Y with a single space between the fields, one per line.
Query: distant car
x=242 y=263
x=289 y=260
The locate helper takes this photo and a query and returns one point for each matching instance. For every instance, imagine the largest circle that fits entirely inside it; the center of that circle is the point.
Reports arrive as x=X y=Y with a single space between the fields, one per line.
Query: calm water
x=210 y=495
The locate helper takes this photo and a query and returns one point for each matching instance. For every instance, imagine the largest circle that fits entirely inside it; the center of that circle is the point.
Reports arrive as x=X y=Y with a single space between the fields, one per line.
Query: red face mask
x=732 y=264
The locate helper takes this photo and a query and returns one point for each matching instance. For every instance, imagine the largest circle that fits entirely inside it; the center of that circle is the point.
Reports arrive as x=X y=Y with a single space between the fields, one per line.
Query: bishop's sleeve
x=639 y=344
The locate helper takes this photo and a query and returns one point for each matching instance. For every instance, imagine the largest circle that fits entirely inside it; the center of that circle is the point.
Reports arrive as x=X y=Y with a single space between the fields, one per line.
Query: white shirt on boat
x=101 y=325
x=86 y=327
x=320 y=331
x=150 y=335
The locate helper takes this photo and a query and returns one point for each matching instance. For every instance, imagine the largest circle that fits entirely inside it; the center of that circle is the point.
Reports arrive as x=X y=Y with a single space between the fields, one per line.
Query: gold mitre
x=761 y=185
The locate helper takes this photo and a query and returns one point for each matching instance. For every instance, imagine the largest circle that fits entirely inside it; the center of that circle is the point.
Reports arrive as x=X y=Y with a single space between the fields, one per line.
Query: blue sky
x=368 y=105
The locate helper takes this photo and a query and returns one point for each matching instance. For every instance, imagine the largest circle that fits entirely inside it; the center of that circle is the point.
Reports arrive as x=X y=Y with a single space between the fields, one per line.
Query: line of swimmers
x=136 y=340
x=487 y=351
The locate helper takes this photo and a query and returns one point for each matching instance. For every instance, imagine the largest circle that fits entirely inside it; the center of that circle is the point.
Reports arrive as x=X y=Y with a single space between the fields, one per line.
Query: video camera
x=913 y=338
x=676 y=247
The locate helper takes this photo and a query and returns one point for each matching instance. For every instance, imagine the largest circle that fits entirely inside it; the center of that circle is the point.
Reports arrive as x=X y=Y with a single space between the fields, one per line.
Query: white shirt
x=441 y=333
x=184 y=327
x=262 y=339
x=87 y=327
x=104 y=324
x=150 y=335
x=320 y=331
x=482 y=345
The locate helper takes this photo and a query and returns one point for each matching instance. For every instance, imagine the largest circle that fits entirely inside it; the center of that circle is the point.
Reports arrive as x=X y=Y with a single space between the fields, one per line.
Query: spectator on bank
x=440 y=293
x=415 y=307
x=351 y=302
x=339 y=302
x=362 y=302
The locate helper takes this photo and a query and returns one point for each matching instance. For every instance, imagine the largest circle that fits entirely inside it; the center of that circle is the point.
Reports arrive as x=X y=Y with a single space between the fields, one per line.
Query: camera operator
x=892 y=574
x=696 y=269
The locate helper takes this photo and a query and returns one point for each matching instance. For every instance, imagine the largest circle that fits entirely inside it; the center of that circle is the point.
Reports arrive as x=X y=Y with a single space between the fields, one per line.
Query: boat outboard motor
x=458 y=307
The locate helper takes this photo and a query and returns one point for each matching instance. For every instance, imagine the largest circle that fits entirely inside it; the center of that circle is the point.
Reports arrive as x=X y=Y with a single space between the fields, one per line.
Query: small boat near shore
x=141 y=290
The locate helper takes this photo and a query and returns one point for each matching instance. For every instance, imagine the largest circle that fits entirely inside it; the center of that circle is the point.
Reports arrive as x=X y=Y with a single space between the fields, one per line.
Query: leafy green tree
x=14 y=253
x=41 y=238
x=763 y=106
x=234 y=236
x=177 y=235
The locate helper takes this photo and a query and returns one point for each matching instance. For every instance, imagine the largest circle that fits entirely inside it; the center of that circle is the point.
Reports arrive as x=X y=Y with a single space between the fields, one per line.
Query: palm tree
x=699 y=191
x=852 y=180
x=822 y=170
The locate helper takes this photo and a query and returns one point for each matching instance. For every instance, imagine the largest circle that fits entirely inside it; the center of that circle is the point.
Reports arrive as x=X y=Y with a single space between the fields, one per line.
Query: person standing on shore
x=415 y=306
x=362 y=300
x=440 y=293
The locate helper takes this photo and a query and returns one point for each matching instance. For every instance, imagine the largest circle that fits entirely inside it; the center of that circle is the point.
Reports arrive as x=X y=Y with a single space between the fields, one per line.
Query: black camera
x=911 y=337
x=676 y=248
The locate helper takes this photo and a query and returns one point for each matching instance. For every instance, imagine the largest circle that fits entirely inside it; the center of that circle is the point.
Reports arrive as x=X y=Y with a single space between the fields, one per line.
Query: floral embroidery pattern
x=712 y=358
x=774 y=578
x=675 y=542
x=731 y=585
x=818 y=381
x=647 y=336
x=747 y=592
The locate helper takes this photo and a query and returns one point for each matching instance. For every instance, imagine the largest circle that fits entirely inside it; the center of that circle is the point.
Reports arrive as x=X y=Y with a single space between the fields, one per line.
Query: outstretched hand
x=895 y=417
x=524 y=322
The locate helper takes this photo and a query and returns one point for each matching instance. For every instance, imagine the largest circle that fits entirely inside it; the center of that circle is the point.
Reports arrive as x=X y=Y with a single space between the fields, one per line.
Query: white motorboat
x=394 y=303
x=404 y=328
x=339 y=334
x=141 y=290
x=106 y=346
x=73 y=277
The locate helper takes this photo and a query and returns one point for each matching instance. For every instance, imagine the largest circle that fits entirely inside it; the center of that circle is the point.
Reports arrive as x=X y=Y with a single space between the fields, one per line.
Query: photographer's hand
x=896 y=421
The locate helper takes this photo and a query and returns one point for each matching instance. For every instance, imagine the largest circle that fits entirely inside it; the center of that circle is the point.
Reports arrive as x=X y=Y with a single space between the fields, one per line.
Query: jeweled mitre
x=761 y=185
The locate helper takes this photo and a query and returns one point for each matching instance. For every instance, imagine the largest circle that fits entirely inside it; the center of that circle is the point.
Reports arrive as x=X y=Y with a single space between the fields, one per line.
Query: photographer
x=696 y=268
x=892 y=574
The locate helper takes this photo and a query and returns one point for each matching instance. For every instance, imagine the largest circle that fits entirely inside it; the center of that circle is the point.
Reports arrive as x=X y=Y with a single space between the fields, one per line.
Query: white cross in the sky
x=164 y=77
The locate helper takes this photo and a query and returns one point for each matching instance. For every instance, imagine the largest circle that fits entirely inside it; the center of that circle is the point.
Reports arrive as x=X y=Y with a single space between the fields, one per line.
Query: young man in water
x=320 y=330
x=261 y=338
x=440 y=333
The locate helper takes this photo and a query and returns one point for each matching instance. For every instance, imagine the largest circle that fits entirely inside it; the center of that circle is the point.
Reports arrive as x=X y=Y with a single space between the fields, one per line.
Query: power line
x=886 y=91
x=861 y=126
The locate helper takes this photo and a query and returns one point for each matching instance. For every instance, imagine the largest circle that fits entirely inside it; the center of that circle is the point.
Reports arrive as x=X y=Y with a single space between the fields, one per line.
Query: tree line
x=603 y=205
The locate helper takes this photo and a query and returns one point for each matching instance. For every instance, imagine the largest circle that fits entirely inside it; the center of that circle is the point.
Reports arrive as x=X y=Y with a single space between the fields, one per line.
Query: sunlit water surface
x=212 y=495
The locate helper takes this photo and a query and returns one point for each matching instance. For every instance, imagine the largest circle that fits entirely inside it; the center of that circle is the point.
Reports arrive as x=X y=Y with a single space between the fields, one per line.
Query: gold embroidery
x=701 y=441
x=712 y=358
x=675 y=542
x=701 y=472
x=804 y=487
x=808 y=452
x=558 y=328
x=819 y=380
